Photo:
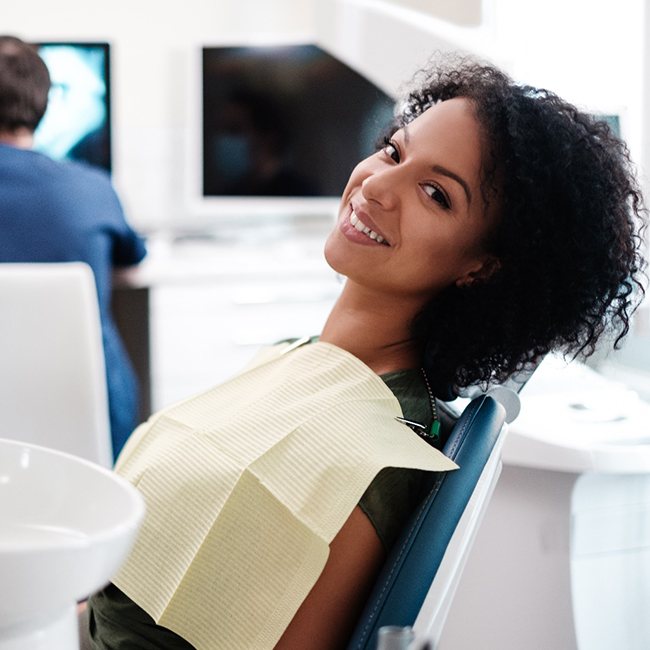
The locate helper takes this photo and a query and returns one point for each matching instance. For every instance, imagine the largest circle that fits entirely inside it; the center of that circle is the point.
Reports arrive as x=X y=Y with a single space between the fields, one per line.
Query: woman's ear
x=482 y=273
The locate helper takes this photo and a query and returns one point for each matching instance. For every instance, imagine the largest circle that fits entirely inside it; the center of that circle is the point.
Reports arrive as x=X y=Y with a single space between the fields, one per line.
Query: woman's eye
x=437 y=195
x=391 y=150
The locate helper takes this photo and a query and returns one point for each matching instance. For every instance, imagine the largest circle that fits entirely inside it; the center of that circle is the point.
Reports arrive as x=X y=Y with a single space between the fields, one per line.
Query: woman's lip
x=357 y=236
x=364 y=217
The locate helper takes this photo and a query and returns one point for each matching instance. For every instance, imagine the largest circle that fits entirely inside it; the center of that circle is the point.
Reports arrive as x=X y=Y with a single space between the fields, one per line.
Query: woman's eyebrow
x=447 y=172
x=443 y=170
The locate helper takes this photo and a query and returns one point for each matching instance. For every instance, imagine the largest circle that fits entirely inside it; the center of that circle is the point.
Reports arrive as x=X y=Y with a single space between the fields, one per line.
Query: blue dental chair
x=416 y=586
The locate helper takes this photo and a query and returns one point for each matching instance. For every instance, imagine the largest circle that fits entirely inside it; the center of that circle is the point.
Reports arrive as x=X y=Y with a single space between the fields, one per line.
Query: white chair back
x=52 y=373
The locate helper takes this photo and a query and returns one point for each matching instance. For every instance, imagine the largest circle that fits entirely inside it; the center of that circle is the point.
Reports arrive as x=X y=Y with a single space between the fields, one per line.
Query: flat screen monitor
x=77 y=122
x=283 y=123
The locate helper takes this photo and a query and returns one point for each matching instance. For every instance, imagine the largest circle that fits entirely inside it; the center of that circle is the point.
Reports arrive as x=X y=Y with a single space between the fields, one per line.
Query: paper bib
x=248 y=483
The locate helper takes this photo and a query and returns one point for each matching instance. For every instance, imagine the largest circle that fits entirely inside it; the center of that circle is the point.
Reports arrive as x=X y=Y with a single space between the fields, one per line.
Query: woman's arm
x=327 y=616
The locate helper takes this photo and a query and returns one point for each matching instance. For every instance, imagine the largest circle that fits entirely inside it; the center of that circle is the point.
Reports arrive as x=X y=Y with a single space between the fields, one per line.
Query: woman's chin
x=332 y=251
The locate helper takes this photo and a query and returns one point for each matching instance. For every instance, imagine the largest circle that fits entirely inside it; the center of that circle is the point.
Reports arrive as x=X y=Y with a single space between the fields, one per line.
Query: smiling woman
x=415 y=197
x=497 y=223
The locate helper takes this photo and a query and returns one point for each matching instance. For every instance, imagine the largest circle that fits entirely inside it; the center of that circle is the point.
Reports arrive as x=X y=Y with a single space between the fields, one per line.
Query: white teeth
x=361 y=227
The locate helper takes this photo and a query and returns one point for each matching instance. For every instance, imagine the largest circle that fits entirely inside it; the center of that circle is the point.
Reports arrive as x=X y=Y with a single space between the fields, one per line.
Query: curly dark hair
x=24 y=85
x=568 y=235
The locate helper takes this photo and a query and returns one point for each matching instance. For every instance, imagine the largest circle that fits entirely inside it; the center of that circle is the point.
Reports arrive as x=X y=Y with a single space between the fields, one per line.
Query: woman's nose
x=380 y=187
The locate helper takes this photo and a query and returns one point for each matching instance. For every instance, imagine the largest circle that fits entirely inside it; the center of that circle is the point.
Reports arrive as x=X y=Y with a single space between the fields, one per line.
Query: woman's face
x=412 y=216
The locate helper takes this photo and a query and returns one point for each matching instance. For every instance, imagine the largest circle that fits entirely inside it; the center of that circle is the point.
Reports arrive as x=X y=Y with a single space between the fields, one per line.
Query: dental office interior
x=561 y=558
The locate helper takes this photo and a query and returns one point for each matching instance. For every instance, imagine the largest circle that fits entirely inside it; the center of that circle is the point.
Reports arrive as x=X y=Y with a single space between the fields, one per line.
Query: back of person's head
x=24 y=85
x=567 y=236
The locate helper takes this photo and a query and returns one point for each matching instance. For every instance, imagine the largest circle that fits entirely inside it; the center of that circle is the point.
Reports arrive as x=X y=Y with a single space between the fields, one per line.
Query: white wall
x=589 y=51
x=154 y=46
x=388 y=42
x=467 y=12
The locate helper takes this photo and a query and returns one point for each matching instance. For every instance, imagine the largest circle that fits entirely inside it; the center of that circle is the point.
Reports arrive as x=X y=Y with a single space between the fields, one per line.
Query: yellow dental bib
x=247 y=484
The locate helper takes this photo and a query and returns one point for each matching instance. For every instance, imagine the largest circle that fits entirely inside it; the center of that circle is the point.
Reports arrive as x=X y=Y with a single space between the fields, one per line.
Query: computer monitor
x=282 y=126
x=77 y=123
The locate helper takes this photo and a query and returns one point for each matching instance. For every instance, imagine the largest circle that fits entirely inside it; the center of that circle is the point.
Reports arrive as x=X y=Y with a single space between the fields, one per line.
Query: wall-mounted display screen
x=77 y=124
x=285 y=121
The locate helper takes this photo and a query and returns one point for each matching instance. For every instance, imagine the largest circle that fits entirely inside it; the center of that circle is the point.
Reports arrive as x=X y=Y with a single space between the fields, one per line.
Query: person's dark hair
x=567 y=236
x=24 y=85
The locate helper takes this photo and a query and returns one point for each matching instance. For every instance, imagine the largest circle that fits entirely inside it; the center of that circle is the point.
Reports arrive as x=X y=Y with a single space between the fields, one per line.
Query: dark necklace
x=433 y=432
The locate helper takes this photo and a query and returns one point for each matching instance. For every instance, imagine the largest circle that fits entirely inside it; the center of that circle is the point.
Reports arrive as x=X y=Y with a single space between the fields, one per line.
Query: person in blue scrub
x=59 y=211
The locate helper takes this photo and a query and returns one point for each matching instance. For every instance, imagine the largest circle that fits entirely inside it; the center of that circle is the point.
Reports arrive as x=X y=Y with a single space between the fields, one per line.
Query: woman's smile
x=358 y=227
x=407 y=224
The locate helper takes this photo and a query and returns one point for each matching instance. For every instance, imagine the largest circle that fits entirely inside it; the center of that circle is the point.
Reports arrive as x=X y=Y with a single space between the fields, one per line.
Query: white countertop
x=575 y=420
x=263 y=252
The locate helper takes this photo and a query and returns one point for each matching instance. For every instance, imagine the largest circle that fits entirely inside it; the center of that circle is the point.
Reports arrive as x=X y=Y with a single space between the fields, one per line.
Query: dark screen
x=285 y=121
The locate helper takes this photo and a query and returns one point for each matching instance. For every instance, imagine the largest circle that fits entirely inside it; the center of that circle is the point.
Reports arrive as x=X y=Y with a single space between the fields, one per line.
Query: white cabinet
x=203 y=333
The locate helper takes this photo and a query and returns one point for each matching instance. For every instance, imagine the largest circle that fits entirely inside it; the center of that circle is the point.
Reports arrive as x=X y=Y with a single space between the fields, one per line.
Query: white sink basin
x=66 y=525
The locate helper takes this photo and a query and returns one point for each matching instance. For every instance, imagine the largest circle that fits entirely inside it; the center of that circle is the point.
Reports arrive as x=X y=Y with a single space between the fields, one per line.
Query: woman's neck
x=373 y=328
